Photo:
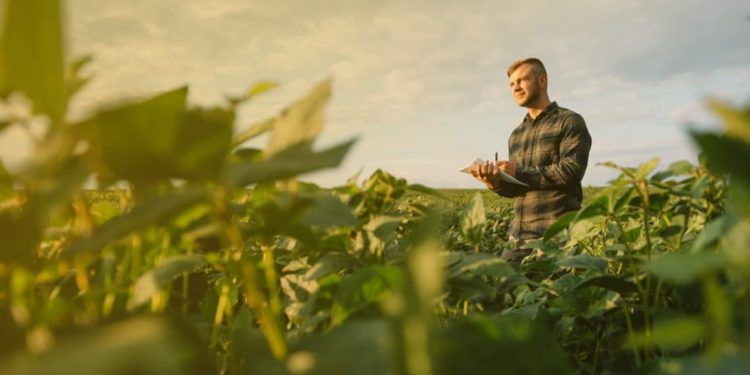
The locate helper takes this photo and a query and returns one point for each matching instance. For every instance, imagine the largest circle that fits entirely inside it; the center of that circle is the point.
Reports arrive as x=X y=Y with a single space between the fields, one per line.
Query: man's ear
x=543 y=81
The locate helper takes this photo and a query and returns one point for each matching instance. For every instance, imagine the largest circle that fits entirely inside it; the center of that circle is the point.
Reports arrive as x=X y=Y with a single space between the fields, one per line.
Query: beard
x=532 y=95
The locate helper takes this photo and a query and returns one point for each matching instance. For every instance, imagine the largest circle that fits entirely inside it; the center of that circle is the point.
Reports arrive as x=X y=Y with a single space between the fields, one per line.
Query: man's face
x=525 y=85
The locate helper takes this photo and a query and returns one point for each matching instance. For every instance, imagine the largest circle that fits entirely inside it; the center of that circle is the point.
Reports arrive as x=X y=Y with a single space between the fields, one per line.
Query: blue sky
x=422 y=83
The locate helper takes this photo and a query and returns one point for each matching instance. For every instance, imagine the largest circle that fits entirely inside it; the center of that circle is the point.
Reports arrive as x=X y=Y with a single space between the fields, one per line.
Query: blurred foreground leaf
x=137 y=141
x=20 y=233
x=301 y=122
x=6 y=183
x=736 y=121
x=725 y=154
x=145 y=345
x=612 y=283
x=498 y=345
x=730 y=364
x=683 y=268
x=361 y=347
x=673 y=334
x=33 y=54
x=159 y=138
x=288 y=163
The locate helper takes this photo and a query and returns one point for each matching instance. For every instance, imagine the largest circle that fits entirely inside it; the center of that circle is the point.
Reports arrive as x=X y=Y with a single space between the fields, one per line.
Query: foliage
x=199 y=255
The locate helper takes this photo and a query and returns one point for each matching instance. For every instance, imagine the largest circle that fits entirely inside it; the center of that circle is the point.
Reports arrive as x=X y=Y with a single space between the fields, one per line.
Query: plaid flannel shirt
x=551 y=153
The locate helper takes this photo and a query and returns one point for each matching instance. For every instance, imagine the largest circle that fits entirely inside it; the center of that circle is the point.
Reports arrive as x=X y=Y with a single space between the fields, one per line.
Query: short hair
x=536 y=64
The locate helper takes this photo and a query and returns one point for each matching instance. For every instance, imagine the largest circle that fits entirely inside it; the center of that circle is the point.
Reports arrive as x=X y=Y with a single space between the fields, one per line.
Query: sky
x=422 y=84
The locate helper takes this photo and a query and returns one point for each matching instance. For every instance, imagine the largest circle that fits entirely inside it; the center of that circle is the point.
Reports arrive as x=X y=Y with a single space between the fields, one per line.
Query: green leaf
x=670 y=231
x=678 y=168
x=597 y=207
x=142 y=345
x=372 y=340
x=424 y=268
x=698 y=188
x=362 y=288
x=646 y=168
x=289 y=163
x=253 y=131
x=498 y=345
x=481 y=264
x=681 y=167
x=254 y=90
x=624 y=200
x=33 y=54
x=138 y=141
x=74 y=81
x=674 y=334
x=159 y=138
x=559 y=225
x=473 y=221
x=703 y=365
x=736 y=122
x=608 y=282
x=326 y=265
x=157 y=210
x=629 y=172
x=382 y=229
x=249 y=352
x=247 y=154
x=584 y=261
x=152 y=281
x=301 y=122
x=103 y=211
x=6 y=183
x=683 y=268
x=581 y=230
x=203 y=143
x=327 y=212
x=21 y=233
x=725 y=154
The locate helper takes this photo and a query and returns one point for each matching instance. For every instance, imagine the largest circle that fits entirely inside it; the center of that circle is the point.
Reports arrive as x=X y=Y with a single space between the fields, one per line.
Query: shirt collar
x=550 y=108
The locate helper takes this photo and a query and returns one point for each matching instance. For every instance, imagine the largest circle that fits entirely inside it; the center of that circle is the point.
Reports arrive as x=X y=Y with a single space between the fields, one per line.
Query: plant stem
x=272 y=279
x=631 y=334
x=646 y=230
x=221 y=306
x=254 y=296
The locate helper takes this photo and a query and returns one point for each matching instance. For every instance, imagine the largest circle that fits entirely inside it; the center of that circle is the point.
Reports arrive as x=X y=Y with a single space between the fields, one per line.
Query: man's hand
x=508 y=167
x=489 y=172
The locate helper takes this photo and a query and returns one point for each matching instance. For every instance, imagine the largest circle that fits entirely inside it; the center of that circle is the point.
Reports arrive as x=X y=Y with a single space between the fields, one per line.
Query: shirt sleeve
x=575 y=145
x=510 y=190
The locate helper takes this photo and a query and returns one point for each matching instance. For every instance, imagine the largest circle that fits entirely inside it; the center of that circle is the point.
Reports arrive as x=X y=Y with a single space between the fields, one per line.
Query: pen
x=495 y=155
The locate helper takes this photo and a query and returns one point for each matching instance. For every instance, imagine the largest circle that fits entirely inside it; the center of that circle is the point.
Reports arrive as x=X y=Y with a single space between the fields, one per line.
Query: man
x=548 y=151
